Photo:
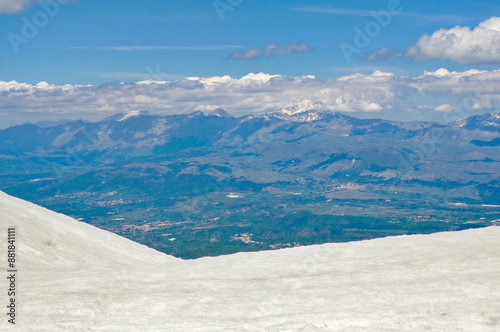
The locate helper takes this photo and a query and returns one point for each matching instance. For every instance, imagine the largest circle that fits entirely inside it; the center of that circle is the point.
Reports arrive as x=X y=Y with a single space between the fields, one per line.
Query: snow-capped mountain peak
x=220 y=113
x=132 y=114
x=487 y=122
x=303 y=106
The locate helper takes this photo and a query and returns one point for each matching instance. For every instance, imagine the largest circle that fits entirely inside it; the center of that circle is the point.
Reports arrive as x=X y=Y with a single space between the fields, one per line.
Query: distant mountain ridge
x=306 y=177
x=488 y=122
x=53 y=135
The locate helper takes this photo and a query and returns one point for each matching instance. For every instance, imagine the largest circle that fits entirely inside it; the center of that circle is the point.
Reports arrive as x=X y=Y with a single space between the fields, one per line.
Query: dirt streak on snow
x=74 y=277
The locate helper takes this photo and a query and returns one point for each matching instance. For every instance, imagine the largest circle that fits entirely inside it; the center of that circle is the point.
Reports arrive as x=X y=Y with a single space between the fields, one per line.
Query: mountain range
x=193 y=185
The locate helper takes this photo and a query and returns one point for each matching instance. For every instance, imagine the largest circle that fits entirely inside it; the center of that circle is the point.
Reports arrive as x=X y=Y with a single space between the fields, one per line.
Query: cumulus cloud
x=444 y=108
x=461 y=44
x=270 y=50
x=480 y=45
x=383 y=93
x=15 y=6
x=483 y=104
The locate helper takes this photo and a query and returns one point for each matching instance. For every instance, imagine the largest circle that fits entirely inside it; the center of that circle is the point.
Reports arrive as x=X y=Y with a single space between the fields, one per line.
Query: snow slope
x=74 y=277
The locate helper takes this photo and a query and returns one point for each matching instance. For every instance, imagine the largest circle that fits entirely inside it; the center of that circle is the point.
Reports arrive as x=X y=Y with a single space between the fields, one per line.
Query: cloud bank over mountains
x=380 y=93
x=480 y=45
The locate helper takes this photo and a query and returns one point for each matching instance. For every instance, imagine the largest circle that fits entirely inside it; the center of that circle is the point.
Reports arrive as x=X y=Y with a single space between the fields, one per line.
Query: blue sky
x=51 y=55
x=91 y=42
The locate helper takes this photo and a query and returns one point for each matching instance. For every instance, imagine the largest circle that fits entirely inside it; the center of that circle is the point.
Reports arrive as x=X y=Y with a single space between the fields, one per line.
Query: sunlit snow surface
x=74 y=277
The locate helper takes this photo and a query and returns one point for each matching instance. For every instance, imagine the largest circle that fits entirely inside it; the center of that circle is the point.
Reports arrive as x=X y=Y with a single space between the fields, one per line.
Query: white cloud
x=270 y=50
x=15 y=6
x=388 y=95
x=444 y=108
x=251 y=93
x=463 y=45
x=483 y=104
